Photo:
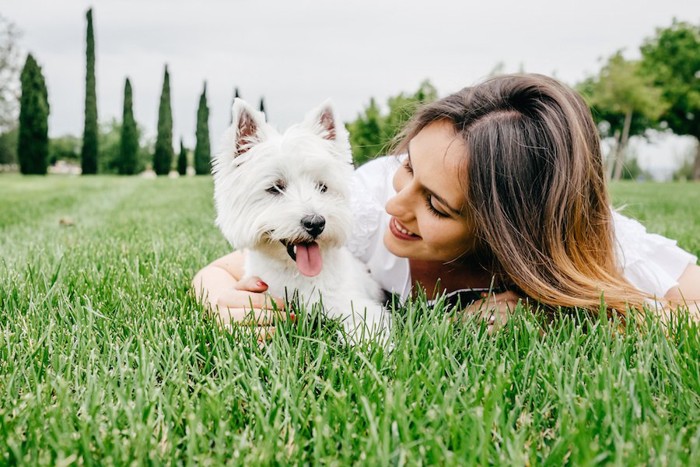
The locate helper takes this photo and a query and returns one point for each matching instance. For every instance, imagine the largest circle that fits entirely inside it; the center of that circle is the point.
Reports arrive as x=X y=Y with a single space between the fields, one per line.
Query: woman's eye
x=432 y=208
x=407 y=166
x=277 y=188
x=322 y=187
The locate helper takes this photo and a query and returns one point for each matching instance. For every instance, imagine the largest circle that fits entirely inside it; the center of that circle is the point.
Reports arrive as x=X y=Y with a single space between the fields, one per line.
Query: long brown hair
x=535 y=187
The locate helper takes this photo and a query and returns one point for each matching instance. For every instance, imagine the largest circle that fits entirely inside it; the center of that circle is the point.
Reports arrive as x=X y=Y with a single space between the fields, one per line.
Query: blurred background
x=636 y=62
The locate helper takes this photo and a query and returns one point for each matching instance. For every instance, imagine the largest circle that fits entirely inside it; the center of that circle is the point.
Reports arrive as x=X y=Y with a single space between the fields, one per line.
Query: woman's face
x=429 y=218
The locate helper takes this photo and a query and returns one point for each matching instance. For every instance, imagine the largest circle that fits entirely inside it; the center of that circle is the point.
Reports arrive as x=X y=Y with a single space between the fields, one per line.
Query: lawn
x=105 y=358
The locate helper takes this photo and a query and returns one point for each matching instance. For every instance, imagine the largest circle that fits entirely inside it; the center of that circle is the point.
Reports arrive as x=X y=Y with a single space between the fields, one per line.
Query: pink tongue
x=309 y=261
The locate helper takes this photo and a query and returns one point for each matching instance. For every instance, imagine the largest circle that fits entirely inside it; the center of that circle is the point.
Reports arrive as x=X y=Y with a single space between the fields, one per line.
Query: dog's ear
x=249 y=126
x=324 y=122
x=327 y=120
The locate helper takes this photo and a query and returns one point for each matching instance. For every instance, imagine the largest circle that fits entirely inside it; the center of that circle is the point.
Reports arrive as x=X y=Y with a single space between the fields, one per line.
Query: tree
x=366 y=137
x=109 y=137
x=403 y=106
x=672 y=59
x=371 y=132
x=110 y=141
x=8 y=147
x=127 y=162
x=64 y=148
x=202 y=149
x=10 y=67
x=262 y=106
x=33 y=138
x=626 y=101
x=88 y=155
x=9 y=75
x=182 y=159
x=164 y=154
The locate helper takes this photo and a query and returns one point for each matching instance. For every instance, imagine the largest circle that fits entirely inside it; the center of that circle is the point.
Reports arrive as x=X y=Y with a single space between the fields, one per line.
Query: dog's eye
x=277 y=188
x=322 y=187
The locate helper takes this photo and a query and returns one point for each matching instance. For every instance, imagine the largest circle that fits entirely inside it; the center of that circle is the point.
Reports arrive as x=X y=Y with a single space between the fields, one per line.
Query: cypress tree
x=202 y=151
x=129 y=140
x=33 y=138
x=88 y=155
x=182 y=160
x=262 y=106
x=164 y=154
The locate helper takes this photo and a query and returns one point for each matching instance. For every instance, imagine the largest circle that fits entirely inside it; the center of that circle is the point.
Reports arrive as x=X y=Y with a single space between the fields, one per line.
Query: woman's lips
x=401 y=232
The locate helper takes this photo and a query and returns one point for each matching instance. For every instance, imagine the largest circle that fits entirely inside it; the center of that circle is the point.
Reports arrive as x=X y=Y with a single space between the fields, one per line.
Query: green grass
x=105 y=358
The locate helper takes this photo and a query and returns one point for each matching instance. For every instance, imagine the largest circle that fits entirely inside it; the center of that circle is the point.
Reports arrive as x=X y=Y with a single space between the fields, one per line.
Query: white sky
x=297 y=53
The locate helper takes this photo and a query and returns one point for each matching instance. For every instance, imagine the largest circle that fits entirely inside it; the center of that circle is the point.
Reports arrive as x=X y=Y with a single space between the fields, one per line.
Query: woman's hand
x=493 y=308
x=687 y=292
x=247 y=303
x=232 y=298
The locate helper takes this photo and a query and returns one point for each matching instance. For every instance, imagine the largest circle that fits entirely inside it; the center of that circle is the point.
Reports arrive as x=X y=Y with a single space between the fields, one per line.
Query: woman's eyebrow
x=456 y=212
x=444 y=203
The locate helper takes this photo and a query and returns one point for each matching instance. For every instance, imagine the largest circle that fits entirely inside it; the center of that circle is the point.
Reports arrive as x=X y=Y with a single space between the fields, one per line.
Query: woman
x=500 y=186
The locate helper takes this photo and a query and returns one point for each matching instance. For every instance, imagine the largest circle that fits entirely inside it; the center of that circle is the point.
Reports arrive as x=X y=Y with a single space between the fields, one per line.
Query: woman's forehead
x=438 y=155
x=440 y=143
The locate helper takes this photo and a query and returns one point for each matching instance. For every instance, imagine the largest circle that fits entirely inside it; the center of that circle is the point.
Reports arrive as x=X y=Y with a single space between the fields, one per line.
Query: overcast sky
x=297 y=53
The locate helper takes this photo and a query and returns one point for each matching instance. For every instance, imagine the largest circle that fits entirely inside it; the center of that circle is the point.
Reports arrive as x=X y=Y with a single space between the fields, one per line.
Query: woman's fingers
x=251 y=284
x=264 y=333
x=242 y=299
x=494 y=308
x=247 y=316
x=261 y=333
x=248 y=305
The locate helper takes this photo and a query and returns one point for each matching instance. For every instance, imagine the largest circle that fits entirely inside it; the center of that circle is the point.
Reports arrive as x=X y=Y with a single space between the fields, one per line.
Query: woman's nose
x=399 y=205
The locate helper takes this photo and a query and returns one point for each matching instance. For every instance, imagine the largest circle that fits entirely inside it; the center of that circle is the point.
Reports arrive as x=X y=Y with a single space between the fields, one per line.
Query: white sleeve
x=651 y=262
x=371 y=188
x=367 y=200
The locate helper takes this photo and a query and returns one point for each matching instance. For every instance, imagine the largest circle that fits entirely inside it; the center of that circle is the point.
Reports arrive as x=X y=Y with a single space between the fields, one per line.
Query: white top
x=650 y=262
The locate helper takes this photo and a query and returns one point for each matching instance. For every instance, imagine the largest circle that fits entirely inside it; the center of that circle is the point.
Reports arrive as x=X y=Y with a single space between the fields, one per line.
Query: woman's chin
x=395 y=247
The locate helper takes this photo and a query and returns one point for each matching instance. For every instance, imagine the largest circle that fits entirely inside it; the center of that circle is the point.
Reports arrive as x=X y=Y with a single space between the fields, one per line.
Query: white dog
x=284 y=198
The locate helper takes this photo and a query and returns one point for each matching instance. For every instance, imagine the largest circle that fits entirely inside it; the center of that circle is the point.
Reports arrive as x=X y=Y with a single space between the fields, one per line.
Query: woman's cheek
x=429 y=229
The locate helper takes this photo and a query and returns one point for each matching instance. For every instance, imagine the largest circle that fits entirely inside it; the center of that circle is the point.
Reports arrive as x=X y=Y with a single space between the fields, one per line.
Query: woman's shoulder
x=369 y=191
x=651 y=262
x=372 y=188
x=376 y=172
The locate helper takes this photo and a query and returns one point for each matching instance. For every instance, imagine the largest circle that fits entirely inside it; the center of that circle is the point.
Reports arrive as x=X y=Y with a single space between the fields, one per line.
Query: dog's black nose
x=313 y=224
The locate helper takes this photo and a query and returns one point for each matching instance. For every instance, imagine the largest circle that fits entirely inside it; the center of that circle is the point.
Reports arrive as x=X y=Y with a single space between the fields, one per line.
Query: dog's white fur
x=312 y=163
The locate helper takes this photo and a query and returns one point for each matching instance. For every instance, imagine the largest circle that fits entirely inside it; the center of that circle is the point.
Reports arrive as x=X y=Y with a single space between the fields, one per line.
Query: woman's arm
x=687 y=292
x=218 y=277
x=222 y=289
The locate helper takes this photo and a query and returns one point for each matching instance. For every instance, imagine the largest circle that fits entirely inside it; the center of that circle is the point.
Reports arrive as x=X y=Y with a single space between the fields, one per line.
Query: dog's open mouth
x=307 y=256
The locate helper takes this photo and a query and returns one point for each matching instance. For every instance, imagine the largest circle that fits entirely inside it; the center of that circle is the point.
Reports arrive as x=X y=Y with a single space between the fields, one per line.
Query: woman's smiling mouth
x=401 y=232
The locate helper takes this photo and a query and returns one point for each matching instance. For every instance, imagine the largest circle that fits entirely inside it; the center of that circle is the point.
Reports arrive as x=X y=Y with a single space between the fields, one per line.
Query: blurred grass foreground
x=105 y=358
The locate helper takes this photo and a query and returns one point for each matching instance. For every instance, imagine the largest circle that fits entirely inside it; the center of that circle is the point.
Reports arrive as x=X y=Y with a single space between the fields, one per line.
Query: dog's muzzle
x=291 y=250
x=313 y=224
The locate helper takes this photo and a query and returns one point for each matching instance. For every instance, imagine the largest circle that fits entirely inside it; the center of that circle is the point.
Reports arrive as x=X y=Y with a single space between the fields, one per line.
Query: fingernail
x=261 y=284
